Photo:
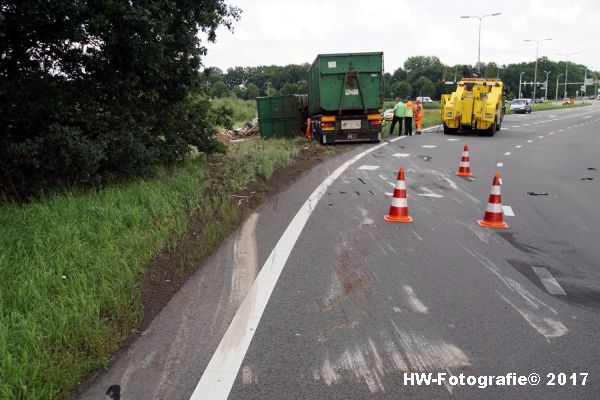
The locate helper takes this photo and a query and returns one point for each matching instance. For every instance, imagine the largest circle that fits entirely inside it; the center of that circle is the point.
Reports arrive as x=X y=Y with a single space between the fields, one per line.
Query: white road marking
x=428 y=146
x=587 y=116
x=561 y=130
x=518 y=146
x=452 y=140
x=551 y=285
x=218 y=378
x=369 y=167
x=530 y=141
x=516 y=126
x=507 y=153
x=551 y=133
x=401 y=155
x=414 y=302
x=500 y=165
x=525 y=124
x=508 y=211
x=540 y=137
x=431 y=195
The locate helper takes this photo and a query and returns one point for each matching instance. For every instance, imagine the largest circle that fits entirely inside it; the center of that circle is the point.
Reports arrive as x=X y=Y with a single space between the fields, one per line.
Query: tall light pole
x=537 y=46
x=556 y=95
x=546 y=95
x=479 y=41
x=566 y=69
x=520 y=75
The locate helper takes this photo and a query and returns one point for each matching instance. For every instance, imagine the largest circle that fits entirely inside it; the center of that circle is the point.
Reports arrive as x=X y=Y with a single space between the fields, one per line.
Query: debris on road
x=248 y=131
x=537 y=194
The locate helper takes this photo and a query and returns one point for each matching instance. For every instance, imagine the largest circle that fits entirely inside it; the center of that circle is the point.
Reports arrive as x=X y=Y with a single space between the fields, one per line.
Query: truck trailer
x=345 y=94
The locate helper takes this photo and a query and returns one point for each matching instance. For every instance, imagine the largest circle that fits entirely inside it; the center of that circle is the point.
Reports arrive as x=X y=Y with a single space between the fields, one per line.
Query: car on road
x=520 y=106
x=425 y=99
x=388 y=114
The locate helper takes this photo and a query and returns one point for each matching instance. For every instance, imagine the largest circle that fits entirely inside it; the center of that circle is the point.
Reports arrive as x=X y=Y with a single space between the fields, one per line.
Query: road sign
x=589 y=82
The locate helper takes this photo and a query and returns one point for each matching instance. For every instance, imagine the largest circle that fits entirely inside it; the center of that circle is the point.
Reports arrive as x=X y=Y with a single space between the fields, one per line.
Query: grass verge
x=72 y=263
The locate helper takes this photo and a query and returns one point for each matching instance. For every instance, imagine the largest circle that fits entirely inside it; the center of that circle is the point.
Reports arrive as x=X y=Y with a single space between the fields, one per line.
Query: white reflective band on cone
x=496 y=190
x=464 y=164
x=399 y=202
x=494 y=208
x=465 y=154
x=401 y=185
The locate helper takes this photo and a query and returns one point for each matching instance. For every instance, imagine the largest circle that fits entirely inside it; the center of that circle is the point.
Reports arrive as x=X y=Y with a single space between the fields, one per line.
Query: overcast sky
x=280 y=32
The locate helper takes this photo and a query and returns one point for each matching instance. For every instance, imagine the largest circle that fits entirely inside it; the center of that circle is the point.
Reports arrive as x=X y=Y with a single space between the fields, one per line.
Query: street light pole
x=537 y=46
x=566 y=69
x=479 y=40
x=556 y=95
x=520 y=75
x=546 y=95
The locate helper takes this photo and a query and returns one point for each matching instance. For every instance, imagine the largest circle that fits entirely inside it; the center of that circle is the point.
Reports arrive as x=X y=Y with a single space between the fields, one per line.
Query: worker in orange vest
x=418 y=115
x=307 y=134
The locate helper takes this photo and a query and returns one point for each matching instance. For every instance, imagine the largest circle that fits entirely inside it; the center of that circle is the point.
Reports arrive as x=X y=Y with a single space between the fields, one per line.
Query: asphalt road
x=360 y=303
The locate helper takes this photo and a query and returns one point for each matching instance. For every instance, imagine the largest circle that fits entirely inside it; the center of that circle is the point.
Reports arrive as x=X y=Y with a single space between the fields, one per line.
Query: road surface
x=331 y=302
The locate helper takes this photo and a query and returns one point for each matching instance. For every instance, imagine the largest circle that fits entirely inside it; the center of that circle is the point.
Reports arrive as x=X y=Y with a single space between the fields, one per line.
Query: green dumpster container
x=345 y=82
x=282 y=116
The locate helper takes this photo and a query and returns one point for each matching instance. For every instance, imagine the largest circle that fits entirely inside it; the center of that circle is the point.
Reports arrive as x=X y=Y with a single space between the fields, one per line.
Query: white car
x=388 y=114
x=520 y=106
x=425 y=99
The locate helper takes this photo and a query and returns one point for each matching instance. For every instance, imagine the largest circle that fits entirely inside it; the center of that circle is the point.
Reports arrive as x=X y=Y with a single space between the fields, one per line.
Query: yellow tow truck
x=477 y=105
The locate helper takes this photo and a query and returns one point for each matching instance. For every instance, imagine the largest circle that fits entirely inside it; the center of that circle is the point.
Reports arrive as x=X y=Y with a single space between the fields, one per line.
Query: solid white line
x=401 y=155
x=428 y=146
x=515 y=126
x=551 y=133
x=540 y=137
x=530 y=141
x=218 y=378
x=438 y=196
x=452 y=140
x=507 y=153
x=369 y=167
x=587 y=116
x=551 y=285
x=508 y=211
x=518 y=146
x=500 y=165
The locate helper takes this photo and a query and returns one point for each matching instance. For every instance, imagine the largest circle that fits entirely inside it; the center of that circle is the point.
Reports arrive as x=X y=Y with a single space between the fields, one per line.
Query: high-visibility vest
x=409 y=109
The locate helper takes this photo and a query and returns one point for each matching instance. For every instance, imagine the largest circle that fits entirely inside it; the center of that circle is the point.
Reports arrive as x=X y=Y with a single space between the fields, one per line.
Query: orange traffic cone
x=399 y=209
x=493 y=217
x=465 y=168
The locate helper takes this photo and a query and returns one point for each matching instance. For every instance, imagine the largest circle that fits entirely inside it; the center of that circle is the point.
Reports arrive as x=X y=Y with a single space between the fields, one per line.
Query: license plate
x=351 y=124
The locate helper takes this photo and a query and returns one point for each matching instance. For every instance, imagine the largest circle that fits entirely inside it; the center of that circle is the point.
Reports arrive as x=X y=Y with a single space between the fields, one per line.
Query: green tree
x=401 y=89
x=219 y=89
x=289 y=88
x=424 y=87
x=271 y=91
x=252 y=91
x=238 y=92
x=302 y=87
x=95 y=90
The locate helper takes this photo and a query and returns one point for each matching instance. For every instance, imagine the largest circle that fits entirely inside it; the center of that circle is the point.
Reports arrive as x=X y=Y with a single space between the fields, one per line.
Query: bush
x=93 y=91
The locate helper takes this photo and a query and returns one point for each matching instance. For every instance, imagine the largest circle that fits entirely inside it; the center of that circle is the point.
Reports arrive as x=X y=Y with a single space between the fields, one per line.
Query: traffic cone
x=494 y=217
x=465 y=168
x=399 y=209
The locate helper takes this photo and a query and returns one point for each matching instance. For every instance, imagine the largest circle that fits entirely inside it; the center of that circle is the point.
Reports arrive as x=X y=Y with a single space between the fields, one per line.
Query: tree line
x=418 y=76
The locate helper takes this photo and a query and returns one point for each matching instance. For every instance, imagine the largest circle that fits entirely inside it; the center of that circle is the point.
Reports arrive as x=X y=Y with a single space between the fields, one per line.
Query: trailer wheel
x=490 y=131
x=449 y=131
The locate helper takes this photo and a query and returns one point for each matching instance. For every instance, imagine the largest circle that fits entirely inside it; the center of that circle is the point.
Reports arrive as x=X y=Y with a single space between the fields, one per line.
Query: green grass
x=71 y=264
